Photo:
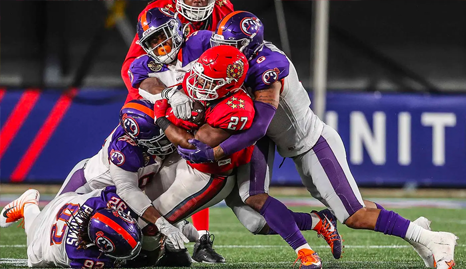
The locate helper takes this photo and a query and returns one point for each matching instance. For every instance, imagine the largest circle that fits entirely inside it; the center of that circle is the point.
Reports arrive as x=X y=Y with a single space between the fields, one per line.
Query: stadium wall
x=391 y=139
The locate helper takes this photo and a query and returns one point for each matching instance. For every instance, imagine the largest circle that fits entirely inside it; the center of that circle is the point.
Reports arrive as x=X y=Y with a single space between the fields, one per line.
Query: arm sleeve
x=262 y=119
x=127 y=188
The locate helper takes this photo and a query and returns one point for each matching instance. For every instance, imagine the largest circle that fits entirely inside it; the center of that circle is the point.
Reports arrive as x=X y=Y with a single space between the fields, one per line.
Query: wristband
x=163 y=123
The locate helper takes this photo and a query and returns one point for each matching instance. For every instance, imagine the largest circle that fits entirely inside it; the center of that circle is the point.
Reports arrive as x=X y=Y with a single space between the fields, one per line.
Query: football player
x=283 y=113
x=215 y=80
x=148 y=71
x=129 y=158
x=94 y=230
x=193 y=14
x=167 y=60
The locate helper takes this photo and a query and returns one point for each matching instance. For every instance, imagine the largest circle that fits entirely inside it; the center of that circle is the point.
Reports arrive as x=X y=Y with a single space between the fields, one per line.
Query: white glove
x=180 y=103
x=173 y=234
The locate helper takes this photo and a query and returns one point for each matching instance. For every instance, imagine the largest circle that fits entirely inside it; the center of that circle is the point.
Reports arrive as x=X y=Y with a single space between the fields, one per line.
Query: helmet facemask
x=204 y=88
x=241 y=44
x=195 y=13
x=159 y=145
x=163 y=53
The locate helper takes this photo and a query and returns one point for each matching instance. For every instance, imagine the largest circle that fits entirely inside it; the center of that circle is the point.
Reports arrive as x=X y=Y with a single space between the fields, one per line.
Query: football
x=198 y=113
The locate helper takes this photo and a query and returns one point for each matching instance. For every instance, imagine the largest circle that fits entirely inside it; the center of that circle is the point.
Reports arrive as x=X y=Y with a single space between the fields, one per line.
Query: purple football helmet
x=160 y=25
x=242 y=30
x=137 y=119
x=115 y=233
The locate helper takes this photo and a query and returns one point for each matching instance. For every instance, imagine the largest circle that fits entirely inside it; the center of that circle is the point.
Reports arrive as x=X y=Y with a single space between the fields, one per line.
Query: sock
x=379 y=206
x=201 y=233
x=201 y=220
x=391 y=223
x=304 y=221
x=31 y=211
x=280 y=219
x=301 y=247
x=414 y=232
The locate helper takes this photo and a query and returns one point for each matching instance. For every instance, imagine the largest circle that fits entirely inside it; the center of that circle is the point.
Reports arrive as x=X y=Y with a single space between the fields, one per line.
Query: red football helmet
x=219 y=70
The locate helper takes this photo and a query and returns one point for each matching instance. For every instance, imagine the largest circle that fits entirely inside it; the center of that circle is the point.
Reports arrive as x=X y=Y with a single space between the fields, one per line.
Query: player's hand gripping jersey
x=234 y=113
x=171 y=75
x=220 y=10
x=53 y=243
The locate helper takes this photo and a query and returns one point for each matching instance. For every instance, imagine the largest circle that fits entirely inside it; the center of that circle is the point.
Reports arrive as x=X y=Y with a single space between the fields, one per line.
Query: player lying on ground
x=283 y=113
x=94 y=230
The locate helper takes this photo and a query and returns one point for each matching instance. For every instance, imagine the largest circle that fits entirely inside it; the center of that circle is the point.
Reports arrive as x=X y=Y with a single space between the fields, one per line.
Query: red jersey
x=221 y=9
x=236 y=113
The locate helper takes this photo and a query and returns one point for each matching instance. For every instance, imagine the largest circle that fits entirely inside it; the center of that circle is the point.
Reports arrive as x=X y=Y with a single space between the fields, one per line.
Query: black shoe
x=203 y=251
x=175 y=258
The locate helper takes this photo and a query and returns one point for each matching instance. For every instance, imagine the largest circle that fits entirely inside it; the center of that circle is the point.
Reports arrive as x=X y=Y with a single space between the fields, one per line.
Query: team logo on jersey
x=236 y=103
x=103 y=242
x=270 y=76
x=235 y=70
x=250 y=26
x=117 y=157
x=130 y=125
x=154 y=67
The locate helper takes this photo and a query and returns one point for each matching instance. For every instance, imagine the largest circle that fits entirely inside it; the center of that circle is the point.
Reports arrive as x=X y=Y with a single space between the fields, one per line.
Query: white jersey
x=97 y=168
x=46 y=244
x=295 y=128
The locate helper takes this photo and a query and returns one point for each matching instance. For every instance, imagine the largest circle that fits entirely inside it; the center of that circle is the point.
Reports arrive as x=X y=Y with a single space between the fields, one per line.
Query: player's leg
x=253 y=185
x=193 y=191
x=26 y=206
x=326 y=165
x=75 y=178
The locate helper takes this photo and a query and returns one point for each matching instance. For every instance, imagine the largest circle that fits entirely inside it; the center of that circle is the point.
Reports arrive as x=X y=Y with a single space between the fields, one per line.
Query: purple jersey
x=144 y=66
x=92 y=257
x=126 y=154
x=268 y=66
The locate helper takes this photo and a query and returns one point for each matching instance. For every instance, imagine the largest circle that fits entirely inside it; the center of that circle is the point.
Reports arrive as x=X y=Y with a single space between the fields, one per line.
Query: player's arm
x=127 y=186
x=265 y=104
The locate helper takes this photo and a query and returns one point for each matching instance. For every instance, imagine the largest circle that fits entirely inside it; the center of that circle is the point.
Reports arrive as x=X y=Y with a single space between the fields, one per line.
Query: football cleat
x=309 y=259
x=203 y=251
x=327 y=228
x=14 y=211
x=175 y=258
x=421 y=250
x=442 y=245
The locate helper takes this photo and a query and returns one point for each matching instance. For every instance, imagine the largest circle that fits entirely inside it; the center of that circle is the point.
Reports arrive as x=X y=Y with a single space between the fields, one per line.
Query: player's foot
x=442 y=245
x=421 y=250
x=175 y=258
x=203 y=251
x=309 y=259
x=327 y=228
x=14 y=211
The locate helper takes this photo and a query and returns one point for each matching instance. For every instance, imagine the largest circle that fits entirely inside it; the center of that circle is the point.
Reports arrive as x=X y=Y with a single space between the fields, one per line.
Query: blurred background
x=392 y=75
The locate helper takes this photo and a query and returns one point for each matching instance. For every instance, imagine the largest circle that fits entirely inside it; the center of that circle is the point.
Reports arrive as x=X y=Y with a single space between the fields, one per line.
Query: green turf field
x=364 y=249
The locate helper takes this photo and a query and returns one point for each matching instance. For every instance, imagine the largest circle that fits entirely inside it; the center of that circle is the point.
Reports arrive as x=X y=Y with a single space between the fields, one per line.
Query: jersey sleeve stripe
x=149 y=112
x=115 y=226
